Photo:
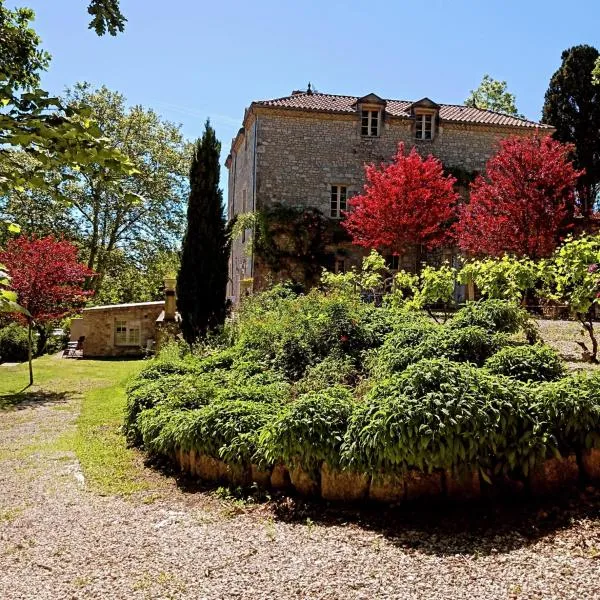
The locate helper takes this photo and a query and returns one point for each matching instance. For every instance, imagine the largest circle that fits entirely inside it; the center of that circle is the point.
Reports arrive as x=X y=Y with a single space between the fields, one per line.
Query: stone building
x=307 y=151
x=129 y=329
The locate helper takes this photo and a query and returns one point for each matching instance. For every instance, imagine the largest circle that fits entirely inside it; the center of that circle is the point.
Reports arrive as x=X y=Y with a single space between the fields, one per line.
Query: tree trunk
x=29 y=350
x=588 y=325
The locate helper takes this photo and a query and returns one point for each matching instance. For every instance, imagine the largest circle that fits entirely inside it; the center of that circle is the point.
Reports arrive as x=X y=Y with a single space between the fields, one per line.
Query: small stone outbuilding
x=120 y=329
x=130 y=329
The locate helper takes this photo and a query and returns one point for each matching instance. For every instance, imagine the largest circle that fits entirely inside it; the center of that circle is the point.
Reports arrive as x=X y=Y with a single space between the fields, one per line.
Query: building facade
x=307 y=152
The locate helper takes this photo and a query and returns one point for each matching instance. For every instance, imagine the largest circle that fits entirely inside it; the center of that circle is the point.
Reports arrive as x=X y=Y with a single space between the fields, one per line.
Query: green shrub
x=309 y=430
x=411 y=344
x=159 y=367
x=493 y=315
x=527 y=363
x=442 y=415
x=13 y=343
x=277 y=392
x=176 y=391
x=333 y=370
x=568 y=412
x=226 y=430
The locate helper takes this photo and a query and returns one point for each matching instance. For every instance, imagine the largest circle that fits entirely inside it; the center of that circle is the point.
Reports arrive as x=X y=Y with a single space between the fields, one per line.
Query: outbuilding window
x=127 y=333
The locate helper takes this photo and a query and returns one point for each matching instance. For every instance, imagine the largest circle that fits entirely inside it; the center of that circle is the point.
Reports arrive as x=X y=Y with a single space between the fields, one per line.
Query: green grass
x=95 y=389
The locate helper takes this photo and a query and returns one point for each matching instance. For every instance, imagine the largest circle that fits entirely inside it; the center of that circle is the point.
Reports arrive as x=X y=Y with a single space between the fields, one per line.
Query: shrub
x=493 y=315
x=333 y=370
x=527 y=363
x=568 y=412
x=226 y=430
x=309 y=430
x=442 y=415
x=160 y=367
x=13 y=343
x=176 y=391
x=408 y=346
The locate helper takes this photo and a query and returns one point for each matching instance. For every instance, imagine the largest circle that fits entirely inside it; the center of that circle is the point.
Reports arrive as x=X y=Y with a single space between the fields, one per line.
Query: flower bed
x=331 y=397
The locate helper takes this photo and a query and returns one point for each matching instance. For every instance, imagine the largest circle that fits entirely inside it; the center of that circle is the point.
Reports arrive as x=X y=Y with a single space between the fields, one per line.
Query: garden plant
x=329 y=382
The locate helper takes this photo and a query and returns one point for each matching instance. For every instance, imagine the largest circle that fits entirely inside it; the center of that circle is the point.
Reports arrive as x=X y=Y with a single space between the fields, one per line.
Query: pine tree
x=202 y=278
x=572 y=105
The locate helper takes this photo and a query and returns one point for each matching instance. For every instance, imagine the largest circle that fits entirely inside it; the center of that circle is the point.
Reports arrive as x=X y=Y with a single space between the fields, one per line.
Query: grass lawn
x=92 y=394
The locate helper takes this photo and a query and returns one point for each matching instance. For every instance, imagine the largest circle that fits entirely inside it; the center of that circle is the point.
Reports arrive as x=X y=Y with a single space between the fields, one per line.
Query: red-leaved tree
x=525 y=202
x=47 y=278
x=409 y=202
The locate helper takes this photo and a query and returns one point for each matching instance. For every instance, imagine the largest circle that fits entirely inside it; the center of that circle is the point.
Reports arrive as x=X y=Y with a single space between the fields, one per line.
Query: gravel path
x=59 y=540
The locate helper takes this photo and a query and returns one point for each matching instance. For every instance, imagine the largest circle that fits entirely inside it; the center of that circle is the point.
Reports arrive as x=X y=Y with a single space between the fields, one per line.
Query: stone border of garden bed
x=553 y=476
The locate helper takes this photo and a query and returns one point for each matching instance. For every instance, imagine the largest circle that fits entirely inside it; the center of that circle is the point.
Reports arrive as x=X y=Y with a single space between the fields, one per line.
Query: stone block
x=304 y=482
x=590 y=462
x=554 y=475
x=346 y=486
x=463 y=485
x=421 y=485
x=388 y=489
x=280 y=478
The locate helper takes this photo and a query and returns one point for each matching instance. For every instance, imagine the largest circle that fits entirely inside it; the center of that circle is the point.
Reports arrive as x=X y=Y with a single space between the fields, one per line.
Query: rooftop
x=133 y=305
x=454 y=113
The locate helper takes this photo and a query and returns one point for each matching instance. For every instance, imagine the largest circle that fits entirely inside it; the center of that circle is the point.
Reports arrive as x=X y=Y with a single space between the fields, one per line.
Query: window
x=370 y=123
x=424 y=126
x=127 y=333
x=340 y=265
x=120 y=333
x=339 y=194
x=393 y=262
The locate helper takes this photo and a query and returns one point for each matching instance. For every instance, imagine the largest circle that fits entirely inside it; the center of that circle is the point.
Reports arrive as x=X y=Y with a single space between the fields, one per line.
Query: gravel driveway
x=60 y=540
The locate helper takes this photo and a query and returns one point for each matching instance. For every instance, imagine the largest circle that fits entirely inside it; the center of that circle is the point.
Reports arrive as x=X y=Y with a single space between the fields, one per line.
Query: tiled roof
x=132 y=305
x=398 y=108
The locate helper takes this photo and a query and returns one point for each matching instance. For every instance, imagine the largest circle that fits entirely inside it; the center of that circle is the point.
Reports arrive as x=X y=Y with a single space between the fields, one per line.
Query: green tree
x=493 y=95
x=572 y=106
x=575 y=269
x=21 y=59
x=202 y=278
x=106 y=16
x=139 y=211
x=127 y=280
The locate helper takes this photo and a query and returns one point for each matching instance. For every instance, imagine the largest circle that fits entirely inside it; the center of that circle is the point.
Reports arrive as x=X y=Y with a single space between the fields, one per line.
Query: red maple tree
x=405 y=203
x=46 y=276
x=525 y=202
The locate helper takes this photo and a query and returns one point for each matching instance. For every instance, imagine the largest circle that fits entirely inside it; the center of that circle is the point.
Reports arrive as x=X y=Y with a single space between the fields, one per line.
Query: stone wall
x=99 y=328
x=241 y=199
x=300 y=156
x=553 y=476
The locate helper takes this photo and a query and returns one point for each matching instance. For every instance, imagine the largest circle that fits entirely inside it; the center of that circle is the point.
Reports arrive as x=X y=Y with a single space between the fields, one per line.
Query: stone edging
x=554 y=475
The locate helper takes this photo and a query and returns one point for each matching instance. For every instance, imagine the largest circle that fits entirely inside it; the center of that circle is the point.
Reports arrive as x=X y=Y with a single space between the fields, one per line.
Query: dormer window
x=424 y=126
x=370 y=123
x=425 y=113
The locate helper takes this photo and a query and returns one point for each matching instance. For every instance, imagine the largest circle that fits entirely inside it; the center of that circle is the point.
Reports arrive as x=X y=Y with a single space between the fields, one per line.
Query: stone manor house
x=307 y=152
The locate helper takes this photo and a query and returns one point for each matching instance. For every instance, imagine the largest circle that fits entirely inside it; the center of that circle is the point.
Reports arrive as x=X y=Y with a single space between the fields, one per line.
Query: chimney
x=170 y=303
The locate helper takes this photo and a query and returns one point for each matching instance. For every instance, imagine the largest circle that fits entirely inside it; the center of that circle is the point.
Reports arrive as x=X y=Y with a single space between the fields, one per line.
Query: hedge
x=13 y=343
x=324 y=378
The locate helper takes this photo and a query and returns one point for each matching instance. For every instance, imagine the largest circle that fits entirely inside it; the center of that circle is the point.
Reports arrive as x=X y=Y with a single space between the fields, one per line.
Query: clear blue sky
x=193 y=59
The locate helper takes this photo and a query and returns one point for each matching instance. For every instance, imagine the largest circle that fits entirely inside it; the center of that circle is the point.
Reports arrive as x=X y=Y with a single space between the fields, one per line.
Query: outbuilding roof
x=133 y=305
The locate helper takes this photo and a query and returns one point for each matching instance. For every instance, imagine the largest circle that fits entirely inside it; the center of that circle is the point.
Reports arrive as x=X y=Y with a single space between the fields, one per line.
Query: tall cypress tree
x=202 y=278
x=572 y=105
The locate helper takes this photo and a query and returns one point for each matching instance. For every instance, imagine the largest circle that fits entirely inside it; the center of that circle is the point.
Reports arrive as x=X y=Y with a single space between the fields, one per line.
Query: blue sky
x=192 y=59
